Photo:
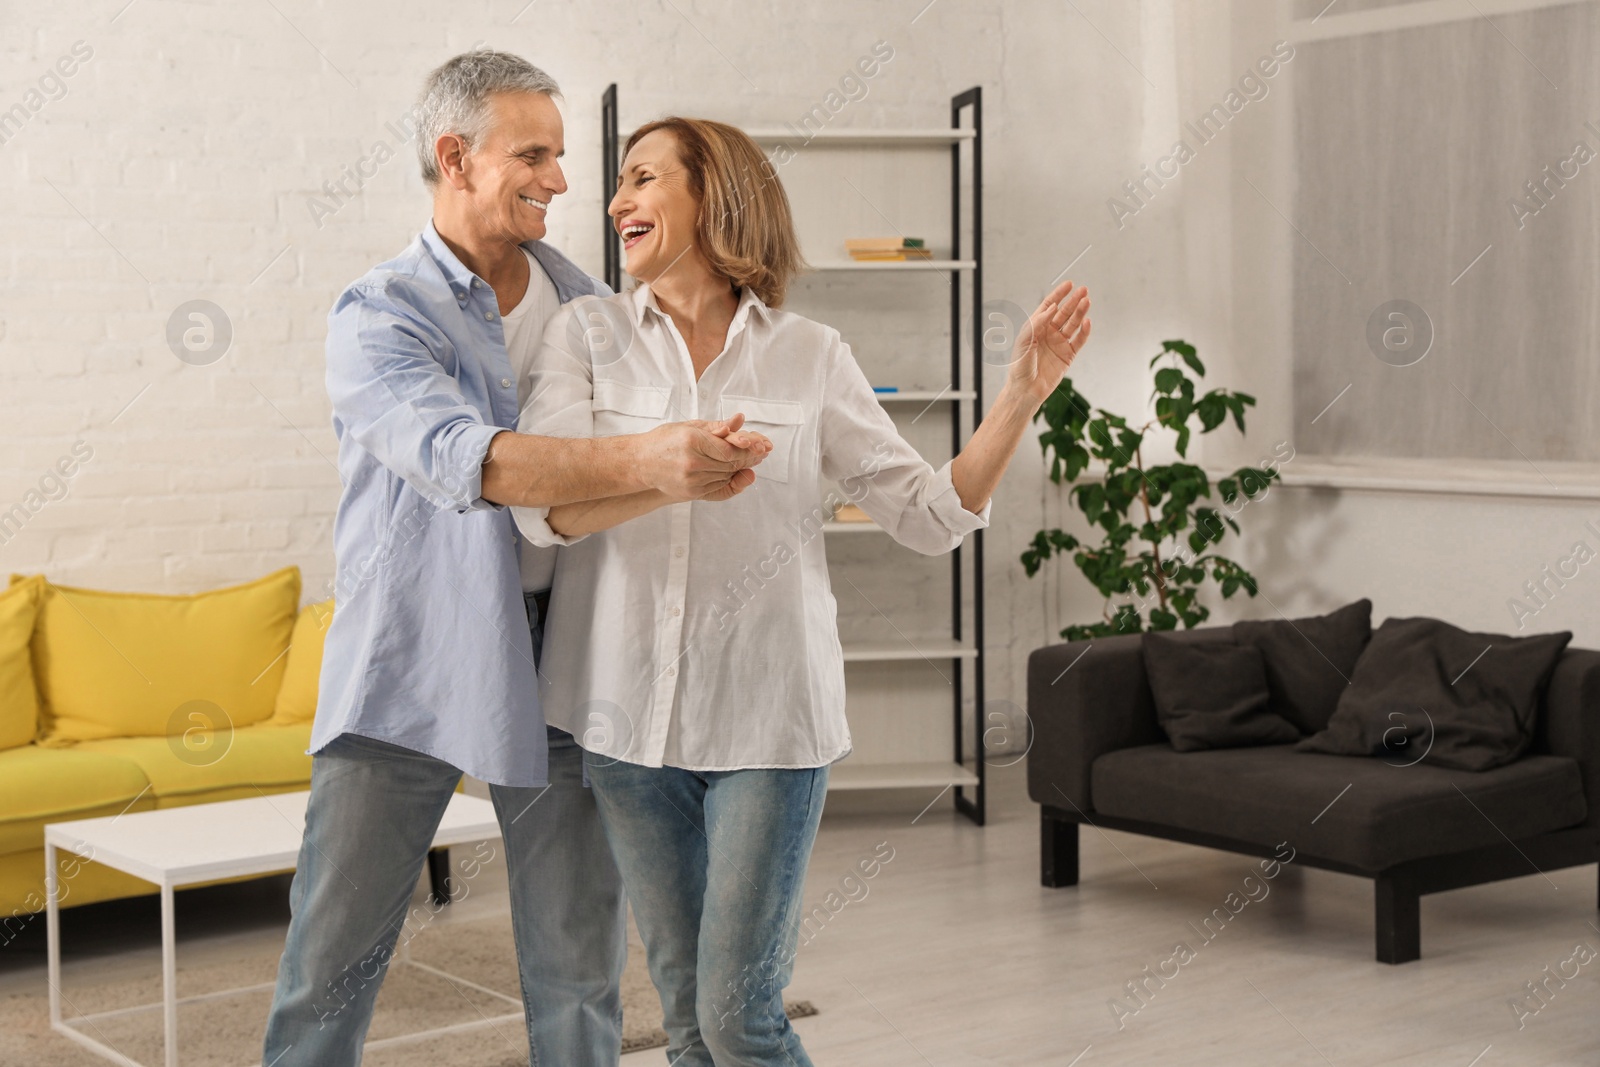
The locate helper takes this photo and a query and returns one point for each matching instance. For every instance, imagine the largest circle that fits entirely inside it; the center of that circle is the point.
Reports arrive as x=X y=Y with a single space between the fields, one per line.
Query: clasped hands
x=709 y=460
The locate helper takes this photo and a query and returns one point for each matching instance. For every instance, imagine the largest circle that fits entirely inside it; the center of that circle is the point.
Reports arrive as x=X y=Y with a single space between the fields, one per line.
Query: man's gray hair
x=455 y=99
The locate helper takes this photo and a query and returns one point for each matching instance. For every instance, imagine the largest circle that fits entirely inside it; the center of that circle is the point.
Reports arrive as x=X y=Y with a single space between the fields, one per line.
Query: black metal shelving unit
x=970 y=791
x=610 y=165
x=976 y=806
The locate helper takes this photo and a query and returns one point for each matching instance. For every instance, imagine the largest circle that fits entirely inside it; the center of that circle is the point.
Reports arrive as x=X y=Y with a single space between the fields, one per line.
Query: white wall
x=183 y=158
x=1463 y=549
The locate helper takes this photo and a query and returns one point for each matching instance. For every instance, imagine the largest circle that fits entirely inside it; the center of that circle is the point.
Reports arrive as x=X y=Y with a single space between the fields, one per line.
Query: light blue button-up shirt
x=429 y=647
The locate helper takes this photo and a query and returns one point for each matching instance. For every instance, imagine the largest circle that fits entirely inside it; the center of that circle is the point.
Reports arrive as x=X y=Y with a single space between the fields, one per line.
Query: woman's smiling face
x=655 y=210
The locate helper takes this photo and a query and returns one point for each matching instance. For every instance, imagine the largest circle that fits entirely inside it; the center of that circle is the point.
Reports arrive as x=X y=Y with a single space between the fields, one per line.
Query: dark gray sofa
x=1099 y=757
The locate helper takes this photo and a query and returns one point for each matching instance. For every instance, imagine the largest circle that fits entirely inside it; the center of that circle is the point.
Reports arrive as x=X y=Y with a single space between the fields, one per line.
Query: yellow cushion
x=43 y=785
x=297 y=698
x=22 y=887
x=19 y=697
x=206 y=765
x=145 y=665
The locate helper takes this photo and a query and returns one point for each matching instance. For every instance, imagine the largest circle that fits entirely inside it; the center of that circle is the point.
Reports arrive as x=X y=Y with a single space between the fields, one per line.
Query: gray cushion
x=1427 y=691
x=1211 y=694
x=1388 y=815
x=1309 y=661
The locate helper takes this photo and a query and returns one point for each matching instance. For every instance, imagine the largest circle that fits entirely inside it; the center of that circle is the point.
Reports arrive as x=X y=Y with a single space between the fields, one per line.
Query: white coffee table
x=176 y=847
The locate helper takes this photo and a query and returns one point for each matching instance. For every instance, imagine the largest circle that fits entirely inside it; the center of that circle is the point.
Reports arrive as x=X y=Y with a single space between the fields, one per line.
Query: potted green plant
x=1156 y=536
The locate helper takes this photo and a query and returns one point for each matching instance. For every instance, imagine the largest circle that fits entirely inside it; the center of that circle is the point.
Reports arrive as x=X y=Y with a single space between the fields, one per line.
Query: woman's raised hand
x=1050 y=340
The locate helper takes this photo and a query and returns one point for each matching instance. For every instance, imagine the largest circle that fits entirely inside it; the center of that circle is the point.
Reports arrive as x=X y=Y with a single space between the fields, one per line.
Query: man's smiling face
x=514 y=173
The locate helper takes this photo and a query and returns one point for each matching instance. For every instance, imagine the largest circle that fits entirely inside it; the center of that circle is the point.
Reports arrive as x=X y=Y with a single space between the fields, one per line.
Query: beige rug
x=227 y=1032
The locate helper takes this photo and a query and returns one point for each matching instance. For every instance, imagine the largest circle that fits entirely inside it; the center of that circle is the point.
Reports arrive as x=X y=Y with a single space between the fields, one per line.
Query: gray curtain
x=1414 y=153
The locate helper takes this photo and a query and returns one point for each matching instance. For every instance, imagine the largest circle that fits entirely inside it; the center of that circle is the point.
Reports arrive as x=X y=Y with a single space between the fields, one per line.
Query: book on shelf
x=891 y=257
x=882 y=244
x=887 y=249
x=850 y=513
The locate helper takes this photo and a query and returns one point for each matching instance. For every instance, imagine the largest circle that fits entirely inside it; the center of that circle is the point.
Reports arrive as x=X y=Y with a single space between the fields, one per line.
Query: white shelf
x=905 y=650
x=798 y=138
x=909 y=264
x=1556 y=480
x=926 y=396
x=1551 y=479
x=851 y=527
x=852 y=775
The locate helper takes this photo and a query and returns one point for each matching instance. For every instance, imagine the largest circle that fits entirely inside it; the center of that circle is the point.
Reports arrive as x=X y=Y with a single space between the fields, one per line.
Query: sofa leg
x=439 y=876
x=1058 y=851
x=1399 y=918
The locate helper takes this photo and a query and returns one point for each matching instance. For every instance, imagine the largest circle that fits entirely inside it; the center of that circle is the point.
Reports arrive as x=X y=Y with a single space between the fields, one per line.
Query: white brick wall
x=180 y=164
x=180 y=161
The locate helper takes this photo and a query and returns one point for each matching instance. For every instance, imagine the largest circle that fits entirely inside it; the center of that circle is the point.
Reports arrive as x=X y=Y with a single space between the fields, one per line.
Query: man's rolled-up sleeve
x=396 y=399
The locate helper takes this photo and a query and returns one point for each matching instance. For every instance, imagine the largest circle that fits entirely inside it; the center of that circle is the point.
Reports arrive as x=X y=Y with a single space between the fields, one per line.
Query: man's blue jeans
x=373 y=812
x=715 y=867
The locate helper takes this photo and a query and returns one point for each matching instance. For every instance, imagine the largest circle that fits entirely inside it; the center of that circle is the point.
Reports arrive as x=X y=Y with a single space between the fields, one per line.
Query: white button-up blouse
x=703 y=635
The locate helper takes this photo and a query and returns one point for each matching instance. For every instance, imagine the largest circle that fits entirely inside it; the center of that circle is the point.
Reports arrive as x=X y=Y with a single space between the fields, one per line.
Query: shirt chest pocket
x=779 y=420
x=621 y=408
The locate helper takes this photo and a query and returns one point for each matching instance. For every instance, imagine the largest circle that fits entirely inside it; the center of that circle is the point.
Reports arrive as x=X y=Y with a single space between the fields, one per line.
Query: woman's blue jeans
x=714 y=863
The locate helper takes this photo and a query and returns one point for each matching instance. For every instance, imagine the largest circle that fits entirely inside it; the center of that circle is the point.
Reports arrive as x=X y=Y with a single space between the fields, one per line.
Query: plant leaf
x=1077 y=461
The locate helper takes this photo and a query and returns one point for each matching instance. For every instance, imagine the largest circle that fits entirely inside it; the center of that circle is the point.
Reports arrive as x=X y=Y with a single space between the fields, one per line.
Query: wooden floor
x=955 y=956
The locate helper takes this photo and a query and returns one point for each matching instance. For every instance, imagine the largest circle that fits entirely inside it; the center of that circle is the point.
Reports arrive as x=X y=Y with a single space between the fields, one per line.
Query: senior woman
x=694 y=651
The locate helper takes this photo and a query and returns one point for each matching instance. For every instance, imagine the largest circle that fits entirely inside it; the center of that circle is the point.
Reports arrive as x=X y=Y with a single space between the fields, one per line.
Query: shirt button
x=676 y=612
x=679 y=551
x=702 y=394
x=461 y=297
x=489 y=315
x=476 y=284
x=672 y=672
x=505 y=383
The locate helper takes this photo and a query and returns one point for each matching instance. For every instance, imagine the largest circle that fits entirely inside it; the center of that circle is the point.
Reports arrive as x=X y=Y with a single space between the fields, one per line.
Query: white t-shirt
x=524 y=328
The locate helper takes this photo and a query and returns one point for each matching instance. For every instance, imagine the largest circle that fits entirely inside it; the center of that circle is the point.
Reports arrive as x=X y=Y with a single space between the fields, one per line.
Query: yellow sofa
x=118 y=702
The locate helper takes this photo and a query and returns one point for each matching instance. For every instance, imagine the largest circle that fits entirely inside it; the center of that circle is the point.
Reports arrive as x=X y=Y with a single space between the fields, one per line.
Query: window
x=1447 y=154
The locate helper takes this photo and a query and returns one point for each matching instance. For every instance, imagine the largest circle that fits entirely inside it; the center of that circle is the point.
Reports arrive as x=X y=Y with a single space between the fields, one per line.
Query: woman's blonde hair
x=746 y=230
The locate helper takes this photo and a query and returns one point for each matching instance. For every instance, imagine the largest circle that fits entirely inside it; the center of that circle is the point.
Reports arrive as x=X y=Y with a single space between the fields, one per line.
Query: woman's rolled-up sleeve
x=880 y=472
x=397 y=400
x=560 y=403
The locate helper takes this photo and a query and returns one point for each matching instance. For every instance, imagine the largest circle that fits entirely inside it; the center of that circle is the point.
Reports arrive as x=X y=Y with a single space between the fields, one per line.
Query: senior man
x=430 y=662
